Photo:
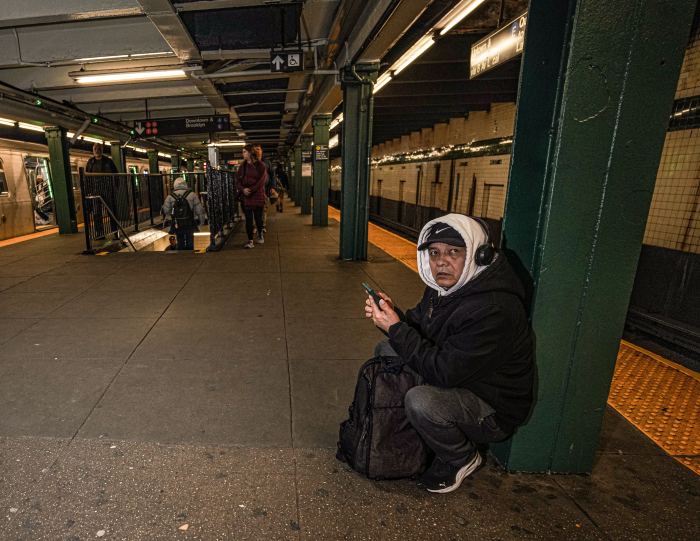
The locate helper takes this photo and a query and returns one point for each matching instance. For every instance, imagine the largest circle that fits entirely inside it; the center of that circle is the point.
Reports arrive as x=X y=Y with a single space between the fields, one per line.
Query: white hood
x=180 y=185
x=474 y=236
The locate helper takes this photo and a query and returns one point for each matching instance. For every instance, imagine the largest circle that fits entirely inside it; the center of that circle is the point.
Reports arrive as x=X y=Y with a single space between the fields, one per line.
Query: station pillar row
x=61 y=180
x=175 y=161
x=153 y=162
x=596 y=90
x=296 y=177
x=118 y=157
x=321 y=161
x=357 y=84
x=306 y=174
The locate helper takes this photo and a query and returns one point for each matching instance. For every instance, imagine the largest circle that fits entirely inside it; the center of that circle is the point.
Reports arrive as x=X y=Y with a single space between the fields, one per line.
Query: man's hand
x=383 y=316
x=246 y=191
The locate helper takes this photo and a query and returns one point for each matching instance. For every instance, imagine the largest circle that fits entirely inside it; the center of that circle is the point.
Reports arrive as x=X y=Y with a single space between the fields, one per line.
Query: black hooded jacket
x=477 y=338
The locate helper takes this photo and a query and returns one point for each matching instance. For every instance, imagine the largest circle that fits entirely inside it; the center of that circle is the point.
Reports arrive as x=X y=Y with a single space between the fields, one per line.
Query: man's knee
x=420 y=403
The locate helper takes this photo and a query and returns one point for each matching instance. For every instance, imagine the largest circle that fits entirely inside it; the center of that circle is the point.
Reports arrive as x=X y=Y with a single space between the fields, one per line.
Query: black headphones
x=486 y=252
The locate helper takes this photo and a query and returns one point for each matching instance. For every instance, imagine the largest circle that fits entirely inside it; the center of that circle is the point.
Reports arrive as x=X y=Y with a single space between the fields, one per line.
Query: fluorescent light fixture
x=227 y=144
x=31 y=127
x=138 y=149
x=381 y=82
x=333 y=141
x=459 y=12
x=7 y=122
x=164 y=155
x=130 y=76
x=418 y=48
x=337 y=120
x=91 y=139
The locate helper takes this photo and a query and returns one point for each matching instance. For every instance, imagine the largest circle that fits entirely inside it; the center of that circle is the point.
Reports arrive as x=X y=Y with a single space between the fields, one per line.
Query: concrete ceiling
x=224 y=47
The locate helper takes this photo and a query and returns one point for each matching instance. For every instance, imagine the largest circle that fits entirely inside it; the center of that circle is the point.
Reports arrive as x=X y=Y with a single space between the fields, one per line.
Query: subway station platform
x=198 y=396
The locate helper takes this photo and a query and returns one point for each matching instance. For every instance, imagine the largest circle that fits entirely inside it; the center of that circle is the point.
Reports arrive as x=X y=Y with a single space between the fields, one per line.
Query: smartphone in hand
x=372 y=293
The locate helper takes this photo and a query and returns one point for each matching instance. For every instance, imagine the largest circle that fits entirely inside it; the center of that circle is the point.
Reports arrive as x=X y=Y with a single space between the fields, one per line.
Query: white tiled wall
x=674 y=216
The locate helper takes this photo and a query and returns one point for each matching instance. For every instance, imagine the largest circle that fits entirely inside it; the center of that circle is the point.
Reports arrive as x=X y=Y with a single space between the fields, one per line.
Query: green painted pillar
x=296 y=177
x=175 y=161
x=357 y=83
x=61 y=180
x=306 y=174
x=153 y=162
x=596 y=90
x=117 y=154
x=321 y=169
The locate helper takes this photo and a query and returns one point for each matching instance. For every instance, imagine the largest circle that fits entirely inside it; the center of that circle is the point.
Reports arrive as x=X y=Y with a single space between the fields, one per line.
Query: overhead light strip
x=455 y=16
x=130 y=76
x=337 y=120
x=449 y=21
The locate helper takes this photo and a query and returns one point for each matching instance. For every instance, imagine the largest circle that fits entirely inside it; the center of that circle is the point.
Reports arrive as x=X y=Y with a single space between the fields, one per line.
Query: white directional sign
x=286 y=61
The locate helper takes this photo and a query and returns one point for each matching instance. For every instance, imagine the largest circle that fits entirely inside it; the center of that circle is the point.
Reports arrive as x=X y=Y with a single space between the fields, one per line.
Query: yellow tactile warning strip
x=394 y=245
x=659 y=397
x=23 y=238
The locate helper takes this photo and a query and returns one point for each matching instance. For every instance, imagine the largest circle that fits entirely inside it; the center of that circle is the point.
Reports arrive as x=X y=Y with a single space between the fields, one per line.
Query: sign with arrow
x=182 y=125
x=286 y=61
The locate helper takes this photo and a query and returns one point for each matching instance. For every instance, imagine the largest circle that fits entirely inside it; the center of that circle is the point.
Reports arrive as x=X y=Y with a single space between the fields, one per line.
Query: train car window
x=3 y=180
x=496 y=162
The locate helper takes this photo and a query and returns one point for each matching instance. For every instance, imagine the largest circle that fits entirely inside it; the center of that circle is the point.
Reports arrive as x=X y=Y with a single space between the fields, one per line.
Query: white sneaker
x=260 y=240
x=249 y=244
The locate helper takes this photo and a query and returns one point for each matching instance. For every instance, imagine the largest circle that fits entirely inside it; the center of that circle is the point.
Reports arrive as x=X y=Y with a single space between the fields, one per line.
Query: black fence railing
x=221 y=205
x=114 y=205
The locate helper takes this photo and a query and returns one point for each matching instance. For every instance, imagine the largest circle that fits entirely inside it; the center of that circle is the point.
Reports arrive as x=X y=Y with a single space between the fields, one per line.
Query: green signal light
x=38 y=102
x=132 y=132
x=95 y=120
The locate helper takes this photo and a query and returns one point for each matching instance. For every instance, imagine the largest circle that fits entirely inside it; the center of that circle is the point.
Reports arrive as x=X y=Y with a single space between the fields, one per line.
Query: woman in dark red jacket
x=250 y=183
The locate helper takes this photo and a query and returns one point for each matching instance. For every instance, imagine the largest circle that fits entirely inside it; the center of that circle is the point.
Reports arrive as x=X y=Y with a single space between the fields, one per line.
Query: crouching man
x=470 y=340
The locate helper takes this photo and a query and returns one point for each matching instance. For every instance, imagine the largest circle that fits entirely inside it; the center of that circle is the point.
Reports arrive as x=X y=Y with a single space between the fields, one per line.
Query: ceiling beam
x=163 y=15
x=19 y=13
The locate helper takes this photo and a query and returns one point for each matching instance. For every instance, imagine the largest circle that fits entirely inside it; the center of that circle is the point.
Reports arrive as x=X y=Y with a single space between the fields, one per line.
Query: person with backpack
x=470 y=343
x=250 y=183
x=183 y=211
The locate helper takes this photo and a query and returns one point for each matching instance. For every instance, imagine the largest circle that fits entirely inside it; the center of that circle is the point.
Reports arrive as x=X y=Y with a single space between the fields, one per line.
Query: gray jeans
x=450 y=421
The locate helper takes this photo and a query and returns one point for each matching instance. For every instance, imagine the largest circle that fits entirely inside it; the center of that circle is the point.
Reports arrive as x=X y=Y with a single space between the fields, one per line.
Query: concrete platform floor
x=186 y=396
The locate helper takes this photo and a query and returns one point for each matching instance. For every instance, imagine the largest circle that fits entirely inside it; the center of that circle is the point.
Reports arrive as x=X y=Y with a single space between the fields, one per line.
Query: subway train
x=409 y=189
x=26 y=196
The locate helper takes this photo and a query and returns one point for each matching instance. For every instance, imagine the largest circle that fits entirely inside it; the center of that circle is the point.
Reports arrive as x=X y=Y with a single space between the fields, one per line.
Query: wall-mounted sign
x=305 y=156
x=187 y=124
x=320 y=152
x=286 y=61
x=498 y=47
x=306 y=170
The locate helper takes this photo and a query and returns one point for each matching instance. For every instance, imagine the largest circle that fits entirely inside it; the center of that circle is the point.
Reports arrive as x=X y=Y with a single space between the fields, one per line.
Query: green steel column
x=175 y=161
x=357 y=82
x=118 y=157
x=295 y=181
x=61 y=180
x=321 y=169
x=153 y=162
x=306 y=172
x=596 y=90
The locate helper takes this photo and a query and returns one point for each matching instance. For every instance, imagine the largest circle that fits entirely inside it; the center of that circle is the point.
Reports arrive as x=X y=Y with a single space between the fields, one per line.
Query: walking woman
x=250 y=183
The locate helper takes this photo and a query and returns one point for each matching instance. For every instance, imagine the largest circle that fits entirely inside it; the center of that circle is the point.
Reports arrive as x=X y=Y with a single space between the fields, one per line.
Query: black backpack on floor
x=378 y=440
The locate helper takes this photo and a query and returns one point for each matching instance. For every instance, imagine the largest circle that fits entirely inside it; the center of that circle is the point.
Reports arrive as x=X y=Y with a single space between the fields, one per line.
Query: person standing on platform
x=103 y=186
x=250 y=184
x=269 y=184
x=470 y=341
x=282 y=186
x=184 y=211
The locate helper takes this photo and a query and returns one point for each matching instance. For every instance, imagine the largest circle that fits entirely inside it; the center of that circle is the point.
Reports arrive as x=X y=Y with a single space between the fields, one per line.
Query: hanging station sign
x=182 y=125
x=498 y=47
x=286 y=61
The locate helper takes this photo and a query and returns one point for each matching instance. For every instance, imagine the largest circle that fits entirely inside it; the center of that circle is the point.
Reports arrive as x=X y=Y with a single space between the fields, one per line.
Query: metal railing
x=114 y=204
x=222 y=205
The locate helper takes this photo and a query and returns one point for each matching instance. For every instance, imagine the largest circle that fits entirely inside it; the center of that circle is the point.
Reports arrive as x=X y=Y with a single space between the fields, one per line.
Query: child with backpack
x=184 y=211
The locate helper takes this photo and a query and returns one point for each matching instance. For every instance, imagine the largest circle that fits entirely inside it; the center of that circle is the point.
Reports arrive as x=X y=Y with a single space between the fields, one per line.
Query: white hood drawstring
x=473 y=235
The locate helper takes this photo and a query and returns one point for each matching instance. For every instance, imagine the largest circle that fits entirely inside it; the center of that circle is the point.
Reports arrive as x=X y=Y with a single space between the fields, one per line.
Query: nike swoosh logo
x=441 y=230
